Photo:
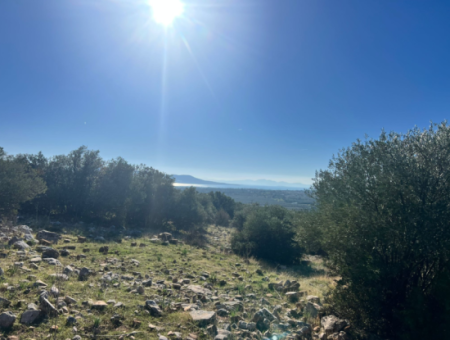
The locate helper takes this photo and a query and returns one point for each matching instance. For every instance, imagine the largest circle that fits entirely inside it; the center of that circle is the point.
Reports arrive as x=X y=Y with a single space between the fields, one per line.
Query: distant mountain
x=268 y=183
x=188 y=179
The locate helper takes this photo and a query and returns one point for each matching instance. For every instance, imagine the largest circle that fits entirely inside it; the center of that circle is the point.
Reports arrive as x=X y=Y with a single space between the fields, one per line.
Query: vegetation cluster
x=81 y=186
x=380 y=220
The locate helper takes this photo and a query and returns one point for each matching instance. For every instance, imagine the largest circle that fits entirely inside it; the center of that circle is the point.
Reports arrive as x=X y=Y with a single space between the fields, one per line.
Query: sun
x=165 y=11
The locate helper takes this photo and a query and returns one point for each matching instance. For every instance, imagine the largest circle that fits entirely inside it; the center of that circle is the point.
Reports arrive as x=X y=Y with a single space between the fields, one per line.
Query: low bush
x=267 y=233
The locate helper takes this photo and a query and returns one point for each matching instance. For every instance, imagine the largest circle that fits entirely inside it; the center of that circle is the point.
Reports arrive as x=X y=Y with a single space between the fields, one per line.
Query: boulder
x=153 y=308
x=332 y=324
x=47 y=307
x=52 y=261
x=203 y=317
x=147 y=283
x=234 y=305
x=30 y=316
x=312 y=309
x=99 y=305
x=313 y=299
x=84 y=273
x=48 y=236
x=7 y=319
x=64 y=252
x=223 y=335
x=69 y=300
x=199 y=290
x=4 y=302
x=21 y=245
x=25 y=229
x=50 y=253
x=165 y=236
x=339 y=336
x=67 y=270
x=13 y=240
x=292 y=296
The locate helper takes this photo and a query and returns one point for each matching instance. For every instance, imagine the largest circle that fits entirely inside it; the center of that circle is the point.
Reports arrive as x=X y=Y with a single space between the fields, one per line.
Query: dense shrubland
x=384 y=220
x=380 y=219
x=266 y=232
x=81 y=186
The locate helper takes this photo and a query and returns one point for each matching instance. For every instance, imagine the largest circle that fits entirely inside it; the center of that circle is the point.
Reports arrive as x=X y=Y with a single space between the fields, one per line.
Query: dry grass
x=154 y=260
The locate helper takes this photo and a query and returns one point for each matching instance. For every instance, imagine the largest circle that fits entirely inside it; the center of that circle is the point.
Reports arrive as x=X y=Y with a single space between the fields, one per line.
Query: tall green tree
x=19 y=183
x=385 y=220
x=152 y=197
x=110 y=197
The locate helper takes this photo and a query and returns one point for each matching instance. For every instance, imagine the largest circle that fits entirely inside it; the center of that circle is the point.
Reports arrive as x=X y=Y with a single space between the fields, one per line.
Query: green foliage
x=384 y=207
x=267 y=233
x=222 y=218
x=84 y=187
x=19 y=183
x=309 y=233
x=223 y=203
x=189 y=212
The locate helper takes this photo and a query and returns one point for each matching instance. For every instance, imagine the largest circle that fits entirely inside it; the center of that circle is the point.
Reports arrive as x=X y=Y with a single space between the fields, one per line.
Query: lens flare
x=165 y=11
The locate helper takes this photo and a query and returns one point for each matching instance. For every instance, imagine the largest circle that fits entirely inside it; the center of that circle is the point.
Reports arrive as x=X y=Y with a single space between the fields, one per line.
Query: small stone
x=7 y=319
x=99 y=305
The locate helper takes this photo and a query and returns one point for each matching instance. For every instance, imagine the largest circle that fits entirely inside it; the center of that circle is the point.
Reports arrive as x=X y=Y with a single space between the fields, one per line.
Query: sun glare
x=165 y=11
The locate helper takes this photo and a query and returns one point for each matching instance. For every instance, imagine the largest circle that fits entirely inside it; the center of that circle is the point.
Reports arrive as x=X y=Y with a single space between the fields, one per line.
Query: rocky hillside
x=78 y=286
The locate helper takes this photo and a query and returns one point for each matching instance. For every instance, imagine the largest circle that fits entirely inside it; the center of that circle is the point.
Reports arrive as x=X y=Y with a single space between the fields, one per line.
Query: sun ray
x=188 y=47
x=165 y=11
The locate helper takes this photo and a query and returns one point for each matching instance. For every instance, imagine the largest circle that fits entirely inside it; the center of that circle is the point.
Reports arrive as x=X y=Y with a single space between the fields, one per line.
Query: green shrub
x=384 y=207
x=267 y=233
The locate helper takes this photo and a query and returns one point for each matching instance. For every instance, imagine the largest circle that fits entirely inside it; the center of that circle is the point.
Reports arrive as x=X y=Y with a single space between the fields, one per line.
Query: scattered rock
x=153 y=308
x=4 y=302
x=48 y=236
x=47 y=307
x=30 y=316
x=7 y=319
x=199 y=290
x=50 y=253
x=165 y=236
x=84 y=274
x=64 y=252
x=99 y=305
x=69 y=300
x=21 y=245
x=67 y=270
x=292 y=296
x=312 y=309
x=202 y=317
x=332 y=324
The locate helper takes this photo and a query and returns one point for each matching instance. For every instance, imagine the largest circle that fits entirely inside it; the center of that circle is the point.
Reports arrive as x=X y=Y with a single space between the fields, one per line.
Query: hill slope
x=143 y=287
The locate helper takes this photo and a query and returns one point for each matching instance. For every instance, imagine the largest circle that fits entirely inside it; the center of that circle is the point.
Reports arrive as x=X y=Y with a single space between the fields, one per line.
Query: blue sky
x=232 y=90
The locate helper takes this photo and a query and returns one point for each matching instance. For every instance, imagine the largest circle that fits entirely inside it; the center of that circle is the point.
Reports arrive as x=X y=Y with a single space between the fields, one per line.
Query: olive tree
x=385 y=220
x=19 y=183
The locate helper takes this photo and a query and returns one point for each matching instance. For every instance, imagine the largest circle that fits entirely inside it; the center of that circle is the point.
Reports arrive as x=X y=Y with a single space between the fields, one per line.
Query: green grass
x=154 y=260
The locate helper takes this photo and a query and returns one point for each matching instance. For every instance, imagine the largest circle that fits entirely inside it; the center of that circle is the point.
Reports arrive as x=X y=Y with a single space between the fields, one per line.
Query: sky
x=243 y=89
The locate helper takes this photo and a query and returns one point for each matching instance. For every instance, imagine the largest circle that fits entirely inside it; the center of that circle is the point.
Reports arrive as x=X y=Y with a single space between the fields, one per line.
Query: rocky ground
x=69 y=286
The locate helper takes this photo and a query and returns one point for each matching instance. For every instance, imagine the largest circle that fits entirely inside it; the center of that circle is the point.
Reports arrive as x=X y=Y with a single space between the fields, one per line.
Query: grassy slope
x=155 y=260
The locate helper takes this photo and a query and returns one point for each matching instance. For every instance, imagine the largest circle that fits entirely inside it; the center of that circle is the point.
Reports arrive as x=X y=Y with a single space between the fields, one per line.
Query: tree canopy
x=385 y=214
